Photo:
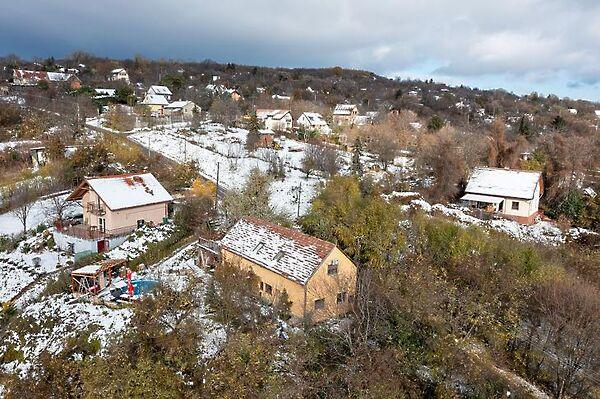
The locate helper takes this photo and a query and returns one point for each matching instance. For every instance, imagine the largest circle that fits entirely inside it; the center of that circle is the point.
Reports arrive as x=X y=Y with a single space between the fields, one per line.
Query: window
x=515 y=206
x=319 y=304
x=141 y=223
x=259 y=246
x=341 y=297
x=279 y=256
x=332 y=268
x=262 y=286
x=268 y=289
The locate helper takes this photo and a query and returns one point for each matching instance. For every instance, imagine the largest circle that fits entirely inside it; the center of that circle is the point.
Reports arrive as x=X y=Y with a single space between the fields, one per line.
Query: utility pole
x=299 y=196
x=148 y=144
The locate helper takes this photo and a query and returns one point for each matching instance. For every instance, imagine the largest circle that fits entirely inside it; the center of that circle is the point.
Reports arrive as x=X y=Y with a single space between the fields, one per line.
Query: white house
x=513 y=194
x=160 y=91
x=185 y=108
x=313 y=121
x=345 y=114
x=275 y=119
x=119 y=74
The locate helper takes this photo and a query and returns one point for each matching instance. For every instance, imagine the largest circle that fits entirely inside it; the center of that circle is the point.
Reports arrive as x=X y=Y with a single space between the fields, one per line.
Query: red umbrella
x=129 y=285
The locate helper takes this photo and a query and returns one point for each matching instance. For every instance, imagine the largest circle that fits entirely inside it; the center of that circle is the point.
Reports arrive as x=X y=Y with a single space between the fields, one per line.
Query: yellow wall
x=323 y=286
x=319 y=286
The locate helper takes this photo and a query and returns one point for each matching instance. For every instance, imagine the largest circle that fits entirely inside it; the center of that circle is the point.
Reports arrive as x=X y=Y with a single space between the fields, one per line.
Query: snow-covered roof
x=118 y=70
x=89 y=269
x=276 y=114
x=125 y=191
x=161 y=90
x=503 y=183
x=290 y=253
x=105 y=92
x=155 y=99
x=42 y=75
x=178 y=104
x=344 y=109
x=314 y=118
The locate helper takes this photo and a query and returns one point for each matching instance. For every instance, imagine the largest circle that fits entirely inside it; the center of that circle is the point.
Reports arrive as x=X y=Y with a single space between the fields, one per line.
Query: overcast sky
x=550 y=46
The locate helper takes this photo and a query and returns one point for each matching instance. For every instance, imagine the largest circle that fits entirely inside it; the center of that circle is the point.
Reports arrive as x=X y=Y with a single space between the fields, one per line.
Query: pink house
x=114 y=206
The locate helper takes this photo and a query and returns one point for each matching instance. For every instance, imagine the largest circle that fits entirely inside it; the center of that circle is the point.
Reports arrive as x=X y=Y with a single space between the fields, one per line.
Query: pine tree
x=435 y=123
x=357 y=168
x=524 y=128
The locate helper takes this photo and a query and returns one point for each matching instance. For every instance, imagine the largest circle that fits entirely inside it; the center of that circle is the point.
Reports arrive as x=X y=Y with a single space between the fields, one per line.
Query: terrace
x=86 y=232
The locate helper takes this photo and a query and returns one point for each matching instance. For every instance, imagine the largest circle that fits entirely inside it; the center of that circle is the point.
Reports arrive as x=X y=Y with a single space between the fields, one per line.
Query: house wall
x=526 y=209
x=294 y=290
x=279 y=124
x=323 y=286
x=64 y=242
x=319 y=286
x=125 y=217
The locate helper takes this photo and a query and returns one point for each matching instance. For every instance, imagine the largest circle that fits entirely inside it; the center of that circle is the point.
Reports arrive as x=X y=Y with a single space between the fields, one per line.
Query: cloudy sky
x=550 y=46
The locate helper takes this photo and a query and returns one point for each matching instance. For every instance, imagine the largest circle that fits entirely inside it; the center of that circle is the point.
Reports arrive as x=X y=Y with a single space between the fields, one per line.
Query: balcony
x=86 y=232
x=96 y=209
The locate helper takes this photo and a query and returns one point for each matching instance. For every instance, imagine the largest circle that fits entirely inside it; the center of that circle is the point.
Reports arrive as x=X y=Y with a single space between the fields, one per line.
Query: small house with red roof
x=319 y=279
x=113 y=206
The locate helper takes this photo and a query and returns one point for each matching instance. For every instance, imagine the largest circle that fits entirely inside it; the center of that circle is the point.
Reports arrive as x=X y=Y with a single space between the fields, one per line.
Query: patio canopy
x=482 y=198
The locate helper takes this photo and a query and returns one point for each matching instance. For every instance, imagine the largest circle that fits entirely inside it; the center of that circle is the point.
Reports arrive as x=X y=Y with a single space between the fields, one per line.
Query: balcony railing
x=96 y=209
x=86 y=232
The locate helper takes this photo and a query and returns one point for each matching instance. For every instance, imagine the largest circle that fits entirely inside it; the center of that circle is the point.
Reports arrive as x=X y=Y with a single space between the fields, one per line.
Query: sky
x=548 y=46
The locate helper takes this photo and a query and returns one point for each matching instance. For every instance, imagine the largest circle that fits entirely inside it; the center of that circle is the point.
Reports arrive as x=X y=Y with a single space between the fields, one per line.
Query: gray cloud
x=554 y=44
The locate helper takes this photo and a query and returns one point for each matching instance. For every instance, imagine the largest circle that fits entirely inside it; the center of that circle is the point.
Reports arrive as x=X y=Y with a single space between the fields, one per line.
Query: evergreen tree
x=435 y=123
x=524 y=128
x=357 y=168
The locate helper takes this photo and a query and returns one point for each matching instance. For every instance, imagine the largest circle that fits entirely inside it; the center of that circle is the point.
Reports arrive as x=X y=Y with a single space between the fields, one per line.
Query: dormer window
x=279 y=256
x=259 y=246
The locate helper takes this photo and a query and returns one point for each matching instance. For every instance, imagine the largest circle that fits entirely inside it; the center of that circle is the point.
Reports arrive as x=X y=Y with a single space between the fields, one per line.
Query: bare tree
x=440 y=156
x=22 y=203
x=58 y=206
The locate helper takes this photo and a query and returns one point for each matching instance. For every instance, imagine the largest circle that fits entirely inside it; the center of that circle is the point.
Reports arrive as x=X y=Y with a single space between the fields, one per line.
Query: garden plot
x=48 y=323
x=30 y=261
x=215 y=147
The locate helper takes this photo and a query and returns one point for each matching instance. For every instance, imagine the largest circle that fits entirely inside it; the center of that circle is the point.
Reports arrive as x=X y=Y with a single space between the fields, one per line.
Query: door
x=102 y=246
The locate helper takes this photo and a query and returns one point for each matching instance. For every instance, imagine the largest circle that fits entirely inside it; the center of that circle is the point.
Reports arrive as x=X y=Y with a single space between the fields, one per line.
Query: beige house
x=114 y=206
x=185 y=108
x=275 y=119
x=319 y=279
x=344 y=114
x=513 y=194
x=155 y=103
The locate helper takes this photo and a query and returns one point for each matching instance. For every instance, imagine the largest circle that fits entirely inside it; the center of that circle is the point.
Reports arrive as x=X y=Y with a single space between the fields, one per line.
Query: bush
x=59 y=285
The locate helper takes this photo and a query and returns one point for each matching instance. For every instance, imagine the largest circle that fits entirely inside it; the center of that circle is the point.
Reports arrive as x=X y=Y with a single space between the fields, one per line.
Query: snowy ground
x=214 y=145
x=47 y=323
x=138 y=241
x=41 y=213
x=541 y=232
x=18 y=268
